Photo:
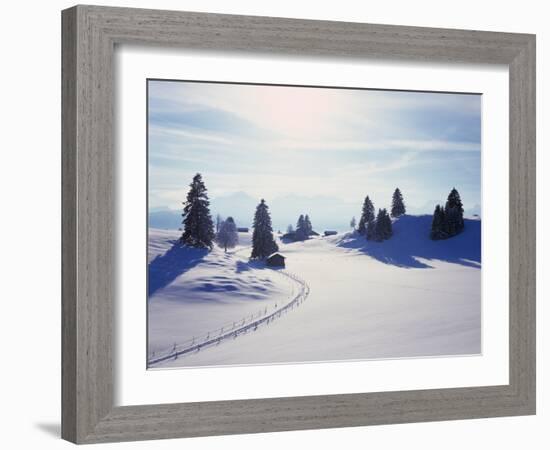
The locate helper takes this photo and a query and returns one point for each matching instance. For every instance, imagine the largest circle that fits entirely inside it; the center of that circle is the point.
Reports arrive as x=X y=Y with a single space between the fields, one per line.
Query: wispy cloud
x=274 y=141
x=385 y=144
x=179 y=133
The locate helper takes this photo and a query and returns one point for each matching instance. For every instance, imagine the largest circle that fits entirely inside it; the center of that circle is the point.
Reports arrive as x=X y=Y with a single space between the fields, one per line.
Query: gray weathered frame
x=89 y=36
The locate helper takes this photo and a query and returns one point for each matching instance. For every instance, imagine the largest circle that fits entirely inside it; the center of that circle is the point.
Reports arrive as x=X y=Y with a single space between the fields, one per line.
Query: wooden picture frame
x=90 y=34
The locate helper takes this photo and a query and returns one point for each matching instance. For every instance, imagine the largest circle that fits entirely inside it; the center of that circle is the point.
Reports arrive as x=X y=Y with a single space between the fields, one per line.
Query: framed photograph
x=278 y=224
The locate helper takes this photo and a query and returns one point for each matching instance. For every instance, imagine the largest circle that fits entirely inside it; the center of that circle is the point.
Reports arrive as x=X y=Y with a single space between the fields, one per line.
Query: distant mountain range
x=326 y=213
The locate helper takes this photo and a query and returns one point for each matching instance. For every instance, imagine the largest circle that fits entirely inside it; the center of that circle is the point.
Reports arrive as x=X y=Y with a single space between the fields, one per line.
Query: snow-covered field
x=405 y=297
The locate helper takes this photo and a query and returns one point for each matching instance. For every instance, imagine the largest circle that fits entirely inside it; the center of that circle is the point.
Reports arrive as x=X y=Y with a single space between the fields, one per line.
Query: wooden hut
x=275 y=260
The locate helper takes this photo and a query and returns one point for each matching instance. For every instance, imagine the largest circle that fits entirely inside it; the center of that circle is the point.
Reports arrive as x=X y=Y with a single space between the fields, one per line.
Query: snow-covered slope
x=411 y=246
x=405 y=297
x=193 y=292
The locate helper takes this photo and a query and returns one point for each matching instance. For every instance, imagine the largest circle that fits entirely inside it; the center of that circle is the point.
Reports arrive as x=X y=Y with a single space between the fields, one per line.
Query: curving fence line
x=232 y=329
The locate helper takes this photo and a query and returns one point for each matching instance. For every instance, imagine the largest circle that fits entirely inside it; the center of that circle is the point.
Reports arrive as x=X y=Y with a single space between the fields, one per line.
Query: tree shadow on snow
x=242 y=266
x=166 y=268
x=411 y=243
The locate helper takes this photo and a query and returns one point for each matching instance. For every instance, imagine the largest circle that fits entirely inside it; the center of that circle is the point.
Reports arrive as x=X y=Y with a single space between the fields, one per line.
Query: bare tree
x=227 y=235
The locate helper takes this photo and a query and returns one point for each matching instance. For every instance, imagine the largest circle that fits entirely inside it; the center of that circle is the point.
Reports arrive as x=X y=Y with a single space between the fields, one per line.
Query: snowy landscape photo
x=298 y=224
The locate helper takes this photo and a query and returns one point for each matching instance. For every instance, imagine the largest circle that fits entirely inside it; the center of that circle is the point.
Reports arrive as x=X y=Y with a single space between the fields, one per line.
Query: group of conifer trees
x=199 y=228
x=379 y=228
x=199 y=231
x=304 y=229
x=448 y=220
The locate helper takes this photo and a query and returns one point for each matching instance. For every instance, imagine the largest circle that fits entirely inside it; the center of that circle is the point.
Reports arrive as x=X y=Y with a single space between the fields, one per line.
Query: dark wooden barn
x=275 y=260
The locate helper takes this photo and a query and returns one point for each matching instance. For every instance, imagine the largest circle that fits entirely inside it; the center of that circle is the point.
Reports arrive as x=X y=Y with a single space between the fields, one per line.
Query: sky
x=314 y=150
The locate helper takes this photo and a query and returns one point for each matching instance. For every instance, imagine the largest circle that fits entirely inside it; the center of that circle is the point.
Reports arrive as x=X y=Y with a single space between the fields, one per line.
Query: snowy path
x=235 y=328
x=252 y=324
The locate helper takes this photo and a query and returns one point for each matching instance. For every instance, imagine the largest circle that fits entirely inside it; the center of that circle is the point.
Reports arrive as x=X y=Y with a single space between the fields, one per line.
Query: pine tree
x=371 y=230
x=263 y=243
x=290 y=229
x=352 y=223
x=382 y=226
x=301 y=229
x=438 y=224
x=379 y=227
x=301 y=223
x=308 y=226
x=198 y=229
x=454 y=213
x=388 y=227
x=449 y=221
x=227 y=235
x=367 y=215
x=397 y=204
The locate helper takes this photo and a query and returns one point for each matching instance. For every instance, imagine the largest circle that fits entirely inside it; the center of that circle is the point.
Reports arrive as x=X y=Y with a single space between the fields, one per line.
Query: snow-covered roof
x=276 y=253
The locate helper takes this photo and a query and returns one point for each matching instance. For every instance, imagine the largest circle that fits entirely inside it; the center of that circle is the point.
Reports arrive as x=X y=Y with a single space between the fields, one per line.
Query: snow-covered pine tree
x=352 y=223
x=397 y=204
x=367 y=215
x=263 y=243
x=438 y=224
x=227 y=235
x=454 y=213
x=198 y=228
x=290 y=229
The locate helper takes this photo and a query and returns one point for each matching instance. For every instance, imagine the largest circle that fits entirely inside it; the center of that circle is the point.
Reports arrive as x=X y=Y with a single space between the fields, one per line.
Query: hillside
x=411 y=246
x=192 y=291
x=405 y=297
